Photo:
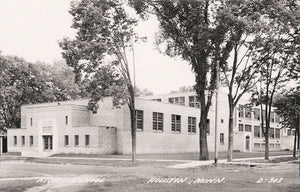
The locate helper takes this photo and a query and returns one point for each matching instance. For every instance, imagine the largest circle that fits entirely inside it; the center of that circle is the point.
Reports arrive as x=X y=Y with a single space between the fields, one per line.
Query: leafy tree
x=242 y=21
x=184 y=89
x=190 y=29
x=276 y=51
x=99 y=53
x=288 y=108
x=142 y=92
x=26 y=83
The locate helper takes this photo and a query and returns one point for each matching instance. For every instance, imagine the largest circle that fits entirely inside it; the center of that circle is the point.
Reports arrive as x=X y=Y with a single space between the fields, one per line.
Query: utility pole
x=216 y=113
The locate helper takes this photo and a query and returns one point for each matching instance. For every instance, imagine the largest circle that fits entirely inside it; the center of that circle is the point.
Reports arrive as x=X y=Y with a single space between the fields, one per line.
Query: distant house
x=165 y=124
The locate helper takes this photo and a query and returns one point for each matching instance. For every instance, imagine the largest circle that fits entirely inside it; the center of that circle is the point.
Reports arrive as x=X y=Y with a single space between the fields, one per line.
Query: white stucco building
x=165 y=124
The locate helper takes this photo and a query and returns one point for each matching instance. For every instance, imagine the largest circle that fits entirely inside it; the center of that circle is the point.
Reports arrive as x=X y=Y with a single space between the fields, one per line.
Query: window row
x=23 y=140
x=258 y=132
x=246 y=112
x=290 y=132
x=262 y=145
x=87 y=140
x=158 y=122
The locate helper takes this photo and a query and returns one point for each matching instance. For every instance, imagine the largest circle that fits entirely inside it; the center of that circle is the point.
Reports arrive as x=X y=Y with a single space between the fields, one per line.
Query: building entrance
x=47 y=140
x=247 y=143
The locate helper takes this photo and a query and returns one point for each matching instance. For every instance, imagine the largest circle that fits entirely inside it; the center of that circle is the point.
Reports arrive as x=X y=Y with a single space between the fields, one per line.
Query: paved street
x=106 y=175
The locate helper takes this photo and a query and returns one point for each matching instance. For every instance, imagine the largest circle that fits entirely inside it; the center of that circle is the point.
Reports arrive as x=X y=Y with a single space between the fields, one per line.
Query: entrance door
x=47 y=142
x=4 y=144
x=247 y=143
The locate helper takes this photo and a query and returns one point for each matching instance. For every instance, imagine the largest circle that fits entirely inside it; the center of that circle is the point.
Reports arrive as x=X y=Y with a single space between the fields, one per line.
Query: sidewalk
x=210 y=162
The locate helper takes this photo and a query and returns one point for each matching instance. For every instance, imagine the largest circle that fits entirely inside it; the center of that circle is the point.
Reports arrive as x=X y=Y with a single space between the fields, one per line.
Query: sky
x=31 y=29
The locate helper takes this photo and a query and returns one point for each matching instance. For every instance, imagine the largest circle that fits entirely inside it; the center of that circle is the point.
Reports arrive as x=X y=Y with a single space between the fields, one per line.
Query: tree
x=184 y=89
x=142 y=92
x=242 y=21
x=99 y=53
x=276 y=52
x=26 y=83
x=191 y=30
x=288 y=108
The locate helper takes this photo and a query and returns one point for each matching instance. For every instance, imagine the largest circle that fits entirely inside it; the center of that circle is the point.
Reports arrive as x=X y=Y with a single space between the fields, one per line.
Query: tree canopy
x=23 y=83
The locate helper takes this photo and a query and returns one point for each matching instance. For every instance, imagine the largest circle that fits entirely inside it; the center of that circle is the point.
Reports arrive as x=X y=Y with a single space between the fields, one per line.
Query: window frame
x=176 y=123
x=256 y=131
x=157 y=118
x=31 y=140
x=67 y=140
x=241 y=126
x=192 y=124
x=23 y=140
x=139 y=121
x=87 y=140
x=76 y=140
x=222 y=136
x=247 y=126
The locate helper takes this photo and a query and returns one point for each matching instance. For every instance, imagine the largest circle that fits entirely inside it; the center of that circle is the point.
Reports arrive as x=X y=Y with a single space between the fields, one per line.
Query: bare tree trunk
x=133 y=123
x=230 y=134
x=295 y=143
x=298 y=131
x=267 y=135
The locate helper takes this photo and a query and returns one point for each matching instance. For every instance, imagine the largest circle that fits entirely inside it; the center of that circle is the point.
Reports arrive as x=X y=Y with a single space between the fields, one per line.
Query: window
x=248 y=112
x=271 y=133
x=66 y=120
x=277 y=118
x=139 y=115
x=241 y=127
x=247 y=128
x=289 y=132
x=256 y=131
x=156 y=100
x=222 y=120
x=256 y=145
x=241 y=111
x=293 y=132
x=23 y=140
x=277 y=133
x=87 y=140
x=176 y=123
x=158 y=121
x=15 y=140
x=76 y=140
x=194 y=101
x=257 y=114
x=177 y=100
x=272 y=117
x=31 y=122
x=192 y=124
x=221 y=138
x=208 y=126
x=66 y=140
x=31 y=140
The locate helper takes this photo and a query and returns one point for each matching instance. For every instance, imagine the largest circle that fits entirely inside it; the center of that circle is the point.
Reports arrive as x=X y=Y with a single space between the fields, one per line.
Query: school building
x=165 y=124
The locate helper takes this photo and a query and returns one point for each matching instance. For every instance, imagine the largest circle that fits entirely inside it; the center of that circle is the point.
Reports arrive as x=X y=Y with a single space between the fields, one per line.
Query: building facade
x=165 y=124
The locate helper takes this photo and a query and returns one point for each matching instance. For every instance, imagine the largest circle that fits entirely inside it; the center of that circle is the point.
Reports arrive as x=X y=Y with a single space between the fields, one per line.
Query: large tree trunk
x=230 y=131
x=203 y=137
x=133 y=123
